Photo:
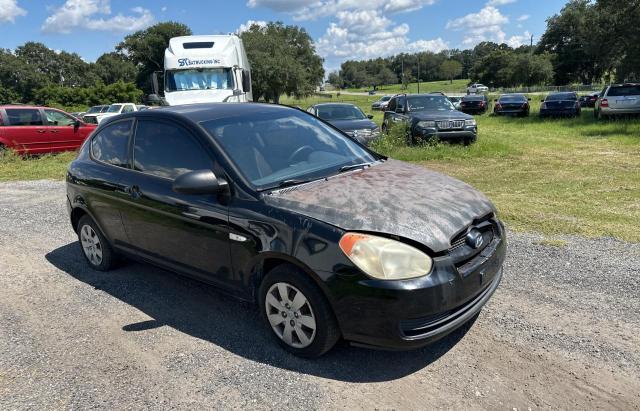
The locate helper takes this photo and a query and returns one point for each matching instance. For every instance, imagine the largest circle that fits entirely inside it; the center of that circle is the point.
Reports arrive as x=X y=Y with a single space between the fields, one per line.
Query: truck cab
x=202 y=69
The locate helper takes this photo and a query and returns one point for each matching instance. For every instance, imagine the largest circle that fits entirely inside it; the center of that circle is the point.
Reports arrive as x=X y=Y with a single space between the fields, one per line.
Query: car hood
x=394 y=198
x=440 y=115
x=353 y=124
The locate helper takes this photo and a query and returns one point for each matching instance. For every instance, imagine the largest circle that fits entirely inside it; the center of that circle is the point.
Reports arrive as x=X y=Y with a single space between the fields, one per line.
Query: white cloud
x=524 y=17
x=9 y=10
x=519 y=40
x=163 y=9
x=499 y=2
x=246 y=26
x=368 y=34
x=82 y=14
x=312 y=9
x=485 y=25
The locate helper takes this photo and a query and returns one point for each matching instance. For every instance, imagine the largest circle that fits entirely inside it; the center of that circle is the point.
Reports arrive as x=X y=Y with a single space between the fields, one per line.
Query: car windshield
x=385 y=98
x=339 y=112
x=423 y=103
x=114 y=108
x=271 y=148
x=199 y=79
x=624 y=91
x=95 y=109
x=513 y=99
x=562 y=96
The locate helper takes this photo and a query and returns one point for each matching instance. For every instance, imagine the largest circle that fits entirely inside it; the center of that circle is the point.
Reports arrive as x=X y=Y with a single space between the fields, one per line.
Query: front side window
x=167 y=150
x=271 y=147
x=111 y=144
x=24 y=117
x=199 y=79
x=57 y=118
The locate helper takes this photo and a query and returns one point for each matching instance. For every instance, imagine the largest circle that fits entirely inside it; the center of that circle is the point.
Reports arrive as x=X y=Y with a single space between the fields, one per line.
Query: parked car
x=39 y=130
x=562 y=104
x=372 y=92
x=474 y=104
x=455 y=100
x=381 y=104
x=429 y=117
x=512 y=104
x=477 y=88
x=113 y=110
x=618 y=99
x=588 y=100
x=276 y=207
x=349 y=119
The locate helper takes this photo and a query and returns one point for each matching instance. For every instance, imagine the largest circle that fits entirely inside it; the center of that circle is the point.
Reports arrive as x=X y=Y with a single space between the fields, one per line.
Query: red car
x=39 y=130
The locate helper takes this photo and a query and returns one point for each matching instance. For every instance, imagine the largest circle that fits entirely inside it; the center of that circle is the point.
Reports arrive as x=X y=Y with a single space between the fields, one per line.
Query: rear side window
x=24 y=117
x=167 y=150
x=624 y=91
x=111 y=144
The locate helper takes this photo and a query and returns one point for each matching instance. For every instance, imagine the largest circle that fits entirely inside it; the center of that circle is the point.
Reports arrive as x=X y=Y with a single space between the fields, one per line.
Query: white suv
x=477 y=88
x=618 y=99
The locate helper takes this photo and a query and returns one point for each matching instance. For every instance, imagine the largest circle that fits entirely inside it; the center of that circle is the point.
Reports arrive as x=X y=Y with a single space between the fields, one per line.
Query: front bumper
x=425 y=134
x=413 y=313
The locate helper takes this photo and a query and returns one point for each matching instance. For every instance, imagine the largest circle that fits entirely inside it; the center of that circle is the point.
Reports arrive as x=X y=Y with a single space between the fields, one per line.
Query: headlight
x=471 y=122
x=385 y=259
x=426 y=124
x=375 y=131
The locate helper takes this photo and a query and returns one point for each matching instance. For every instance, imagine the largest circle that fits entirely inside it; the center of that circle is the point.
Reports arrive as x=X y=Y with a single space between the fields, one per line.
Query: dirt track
x=561 y=332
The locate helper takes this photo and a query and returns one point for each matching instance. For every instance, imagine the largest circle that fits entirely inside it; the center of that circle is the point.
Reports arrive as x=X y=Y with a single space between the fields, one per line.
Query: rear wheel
x=95 y=247
x=297 y=313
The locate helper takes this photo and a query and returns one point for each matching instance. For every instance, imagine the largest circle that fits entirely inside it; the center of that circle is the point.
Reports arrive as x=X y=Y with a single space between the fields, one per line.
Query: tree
x=450 y=69
x=283 y=61
x=114 y=67
x=145 y=48
x=617 y=37
x=384 y=76
x=336 y=80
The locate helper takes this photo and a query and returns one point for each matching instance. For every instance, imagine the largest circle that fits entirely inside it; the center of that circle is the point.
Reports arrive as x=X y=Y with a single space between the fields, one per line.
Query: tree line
x=283 y=60
x=587 y=42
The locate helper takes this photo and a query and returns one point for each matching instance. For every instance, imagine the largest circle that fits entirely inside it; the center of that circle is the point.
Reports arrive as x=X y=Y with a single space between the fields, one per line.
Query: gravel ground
x=561 y=332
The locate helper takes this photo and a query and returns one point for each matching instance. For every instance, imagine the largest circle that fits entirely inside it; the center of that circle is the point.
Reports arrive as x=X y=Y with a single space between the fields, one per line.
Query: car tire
x=469 y=141
x=95 y=247
x=302 y=320
x=384 y=128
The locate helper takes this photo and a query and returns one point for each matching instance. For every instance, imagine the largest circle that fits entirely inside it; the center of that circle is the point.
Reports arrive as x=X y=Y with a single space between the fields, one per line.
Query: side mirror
x=495 y=99
x=76 y=124
x=542 y=101
x=529 y=99
x=246 y=80
x=370 y=116
x=199 y=182
x=154 y=99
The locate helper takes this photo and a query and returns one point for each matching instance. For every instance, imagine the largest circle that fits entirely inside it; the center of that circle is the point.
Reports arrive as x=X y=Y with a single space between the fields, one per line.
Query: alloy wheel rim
x=290 y=315
x=91 y=245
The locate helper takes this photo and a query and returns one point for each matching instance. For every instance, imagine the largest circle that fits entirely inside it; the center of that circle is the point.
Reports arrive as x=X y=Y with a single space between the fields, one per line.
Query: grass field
x=458 y=86
x=565 y=176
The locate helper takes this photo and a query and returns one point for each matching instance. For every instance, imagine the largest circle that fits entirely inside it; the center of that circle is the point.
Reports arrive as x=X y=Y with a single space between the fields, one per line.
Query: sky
x=341 y=29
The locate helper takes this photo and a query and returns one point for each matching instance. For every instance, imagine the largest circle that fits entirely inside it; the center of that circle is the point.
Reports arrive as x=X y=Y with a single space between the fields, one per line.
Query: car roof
x=26 y=106
x=333 y=104
x=214 y=111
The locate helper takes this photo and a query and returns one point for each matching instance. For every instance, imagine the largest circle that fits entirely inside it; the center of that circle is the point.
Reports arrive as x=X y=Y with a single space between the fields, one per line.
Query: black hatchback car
x=272 y=205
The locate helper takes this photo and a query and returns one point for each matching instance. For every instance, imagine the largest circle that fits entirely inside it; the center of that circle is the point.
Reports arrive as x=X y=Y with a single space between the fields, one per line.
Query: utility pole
x=402 y=72
x=418 y=55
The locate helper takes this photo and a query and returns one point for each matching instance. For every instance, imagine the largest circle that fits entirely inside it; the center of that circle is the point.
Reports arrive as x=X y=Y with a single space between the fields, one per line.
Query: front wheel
x=297 y=312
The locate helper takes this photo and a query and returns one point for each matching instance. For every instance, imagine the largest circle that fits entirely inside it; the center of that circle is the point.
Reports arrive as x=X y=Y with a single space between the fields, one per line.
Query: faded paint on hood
x=393 y=197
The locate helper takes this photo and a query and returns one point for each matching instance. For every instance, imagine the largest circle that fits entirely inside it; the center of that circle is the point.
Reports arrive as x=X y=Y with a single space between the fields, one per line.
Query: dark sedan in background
x=563 y=104
x=589 y=100
x=430 y=117
x=512 y=104
x=474 y=104
x=276 y=207
x=349 y=119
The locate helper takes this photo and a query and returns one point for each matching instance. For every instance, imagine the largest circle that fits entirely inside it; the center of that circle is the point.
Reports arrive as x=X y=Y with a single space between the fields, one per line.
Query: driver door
x=62 y=133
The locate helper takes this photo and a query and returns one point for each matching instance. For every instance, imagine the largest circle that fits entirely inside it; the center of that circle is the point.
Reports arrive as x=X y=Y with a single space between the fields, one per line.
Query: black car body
x=562 y=104
x=474 y=104
x=588 y=100
x=190 y=189
x=512 y=104
x=349 y=119
x=429 y=117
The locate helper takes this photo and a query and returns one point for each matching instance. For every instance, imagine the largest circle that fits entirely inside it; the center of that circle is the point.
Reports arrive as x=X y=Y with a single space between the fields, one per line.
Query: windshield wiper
x=353 y=167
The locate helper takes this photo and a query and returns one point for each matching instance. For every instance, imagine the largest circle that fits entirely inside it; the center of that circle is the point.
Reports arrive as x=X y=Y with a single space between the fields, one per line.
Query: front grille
x=465 y=255
x=364 y=132
x=450 y=124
